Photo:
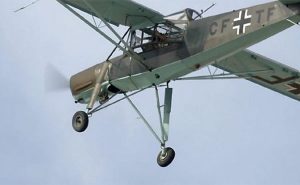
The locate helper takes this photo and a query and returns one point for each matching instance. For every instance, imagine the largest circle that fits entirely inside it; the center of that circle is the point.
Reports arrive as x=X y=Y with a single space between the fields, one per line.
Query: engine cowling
x=83 y=83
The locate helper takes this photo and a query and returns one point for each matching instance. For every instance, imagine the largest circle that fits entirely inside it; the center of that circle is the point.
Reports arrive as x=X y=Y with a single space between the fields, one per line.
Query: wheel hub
x=163 y=155
x=78 y=120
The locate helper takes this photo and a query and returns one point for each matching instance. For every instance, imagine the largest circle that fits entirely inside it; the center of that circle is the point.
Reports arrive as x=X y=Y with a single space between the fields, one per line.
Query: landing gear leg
x=80 y=119
x=166 y=155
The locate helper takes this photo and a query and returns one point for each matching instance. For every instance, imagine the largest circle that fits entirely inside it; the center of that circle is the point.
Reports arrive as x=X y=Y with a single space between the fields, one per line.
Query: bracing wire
x=24 y=7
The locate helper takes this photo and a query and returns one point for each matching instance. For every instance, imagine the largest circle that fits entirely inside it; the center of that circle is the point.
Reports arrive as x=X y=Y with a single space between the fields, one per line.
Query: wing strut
x=92 y=26
x=129 y=51
x=108 y=25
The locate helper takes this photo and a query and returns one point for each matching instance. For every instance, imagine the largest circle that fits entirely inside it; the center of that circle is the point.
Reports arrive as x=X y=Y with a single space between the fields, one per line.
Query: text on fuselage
x=240 y=23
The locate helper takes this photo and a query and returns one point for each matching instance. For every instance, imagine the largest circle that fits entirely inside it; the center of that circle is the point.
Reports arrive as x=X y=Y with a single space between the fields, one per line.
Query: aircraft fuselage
x=206 y=41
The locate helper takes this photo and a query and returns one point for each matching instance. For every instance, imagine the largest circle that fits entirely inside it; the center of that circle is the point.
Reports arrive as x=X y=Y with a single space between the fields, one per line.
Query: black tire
x=80 y=121
x=166 y=160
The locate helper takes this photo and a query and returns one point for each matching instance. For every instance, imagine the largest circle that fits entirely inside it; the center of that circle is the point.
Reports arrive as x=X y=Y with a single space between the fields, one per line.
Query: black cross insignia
x=294 y=88
x=242 y=22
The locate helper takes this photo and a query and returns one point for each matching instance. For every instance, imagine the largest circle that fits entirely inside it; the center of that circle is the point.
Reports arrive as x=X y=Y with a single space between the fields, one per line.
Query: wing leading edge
x=264 y=71
x=119 y=12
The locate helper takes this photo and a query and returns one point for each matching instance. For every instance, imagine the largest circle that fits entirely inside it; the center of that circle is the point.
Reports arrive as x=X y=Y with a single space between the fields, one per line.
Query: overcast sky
x=224 y=132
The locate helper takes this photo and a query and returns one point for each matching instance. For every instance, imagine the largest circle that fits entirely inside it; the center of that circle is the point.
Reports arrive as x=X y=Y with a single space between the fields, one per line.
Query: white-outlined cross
x=242 y=22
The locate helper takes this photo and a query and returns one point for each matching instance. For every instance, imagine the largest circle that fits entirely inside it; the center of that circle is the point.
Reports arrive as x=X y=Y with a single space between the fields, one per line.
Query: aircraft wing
x=263 y=71
x=289 y=1
x=119 y=12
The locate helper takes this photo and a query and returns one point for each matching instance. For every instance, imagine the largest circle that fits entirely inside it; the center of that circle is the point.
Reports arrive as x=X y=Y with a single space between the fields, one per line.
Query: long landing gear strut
x=166 y=155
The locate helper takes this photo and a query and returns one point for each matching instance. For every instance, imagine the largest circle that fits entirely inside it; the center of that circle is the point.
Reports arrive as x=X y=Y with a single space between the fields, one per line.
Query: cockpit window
x=158 y=36
x=164 y=34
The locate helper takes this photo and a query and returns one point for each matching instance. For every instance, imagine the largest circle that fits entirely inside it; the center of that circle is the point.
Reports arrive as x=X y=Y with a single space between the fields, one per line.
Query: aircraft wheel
x=164 y=160
x=80 y=121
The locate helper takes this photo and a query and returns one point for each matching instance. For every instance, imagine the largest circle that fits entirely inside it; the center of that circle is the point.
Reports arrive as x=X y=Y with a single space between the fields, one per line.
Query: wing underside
x=287 y=2
x=264 y=71
x=118 y=12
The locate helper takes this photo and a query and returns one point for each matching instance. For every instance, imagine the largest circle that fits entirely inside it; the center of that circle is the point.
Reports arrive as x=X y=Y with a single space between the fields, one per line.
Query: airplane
x=158 y=49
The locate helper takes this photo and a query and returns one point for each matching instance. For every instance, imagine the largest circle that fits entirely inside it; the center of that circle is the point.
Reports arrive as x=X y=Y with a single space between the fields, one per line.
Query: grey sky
x=224 y=132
